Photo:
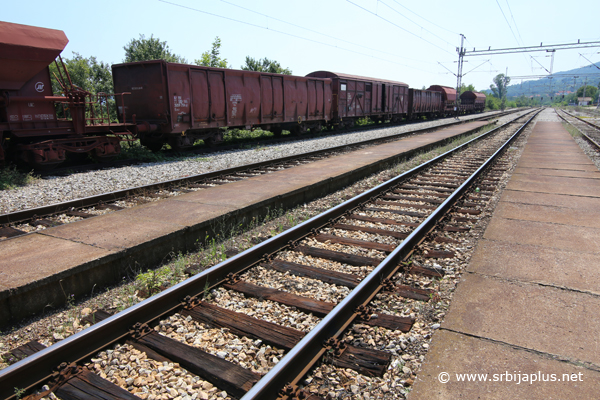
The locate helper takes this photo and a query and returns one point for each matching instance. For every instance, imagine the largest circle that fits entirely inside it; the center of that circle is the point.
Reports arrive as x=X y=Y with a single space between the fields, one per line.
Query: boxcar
x=356 y=97
x=426 y=103
x=448 y=97
x=184 y=103
x=472 y=101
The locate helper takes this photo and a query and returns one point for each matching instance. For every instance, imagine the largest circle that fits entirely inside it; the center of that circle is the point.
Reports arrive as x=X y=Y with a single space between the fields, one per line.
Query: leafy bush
x=11 y=177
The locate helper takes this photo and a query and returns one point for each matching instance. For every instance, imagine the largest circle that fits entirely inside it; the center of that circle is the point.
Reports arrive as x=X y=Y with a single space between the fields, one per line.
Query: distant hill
x=562 y=83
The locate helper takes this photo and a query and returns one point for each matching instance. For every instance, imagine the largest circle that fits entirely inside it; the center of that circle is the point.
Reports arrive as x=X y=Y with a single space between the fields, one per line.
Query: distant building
x=584 y=101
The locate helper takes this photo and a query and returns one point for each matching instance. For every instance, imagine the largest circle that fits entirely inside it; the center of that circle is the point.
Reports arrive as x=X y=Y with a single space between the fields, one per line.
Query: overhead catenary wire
x=509 y=26
x=420 y=26
x=319 y=33
x=425 y=19
x=515 y=22
x=398 y=26
x=594 y=64
x=288 y=34
x=508 y=23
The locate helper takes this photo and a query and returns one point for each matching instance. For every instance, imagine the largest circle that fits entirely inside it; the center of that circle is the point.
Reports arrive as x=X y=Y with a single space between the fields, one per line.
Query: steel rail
x=40 y=366
x=22 y=215
x=585 y=135
x=311 y=347
x=582 y=120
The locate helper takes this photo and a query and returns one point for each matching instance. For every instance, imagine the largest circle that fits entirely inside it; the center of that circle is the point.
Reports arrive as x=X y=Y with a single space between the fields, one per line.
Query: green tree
x=265 y=65
x=143 y=49
x=466 y=88
x=88 y=74
x=212 y=58
x=590 y=91
x=523 y=101
x=492 y=103
x=499 y=86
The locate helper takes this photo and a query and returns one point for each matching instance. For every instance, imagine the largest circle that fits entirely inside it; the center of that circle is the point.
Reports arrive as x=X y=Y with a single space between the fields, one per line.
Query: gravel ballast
x=54 y=189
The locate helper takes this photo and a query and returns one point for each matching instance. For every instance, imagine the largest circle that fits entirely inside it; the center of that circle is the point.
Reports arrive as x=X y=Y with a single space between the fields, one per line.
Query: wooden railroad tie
x=338 y=256
x=325 y=275
x=397 y=204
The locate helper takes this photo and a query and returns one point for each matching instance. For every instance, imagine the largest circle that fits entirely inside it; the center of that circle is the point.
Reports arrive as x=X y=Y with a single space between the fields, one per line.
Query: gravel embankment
x=53 y=190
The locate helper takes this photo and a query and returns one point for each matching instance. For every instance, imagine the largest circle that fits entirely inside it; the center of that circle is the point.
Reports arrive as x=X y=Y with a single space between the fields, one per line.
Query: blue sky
x=391 y=39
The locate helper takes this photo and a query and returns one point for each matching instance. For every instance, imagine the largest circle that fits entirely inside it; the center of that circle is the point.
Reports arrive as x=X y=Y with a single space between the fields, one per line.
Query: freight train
x=160 y=102
x=184 y=103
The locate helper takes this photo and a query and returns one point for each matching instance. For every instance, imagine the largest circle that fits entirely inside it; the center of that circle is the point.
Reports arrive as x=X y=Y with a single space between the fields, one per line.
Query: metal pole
x=575 y=87
x=584 y=87
x=551 y=68
x=461 y=54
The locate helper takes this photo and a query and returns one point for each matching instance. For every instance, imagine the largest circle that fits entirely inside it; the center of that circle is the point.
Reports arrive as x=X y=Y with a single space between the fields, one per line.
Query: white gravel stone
x=57 y=189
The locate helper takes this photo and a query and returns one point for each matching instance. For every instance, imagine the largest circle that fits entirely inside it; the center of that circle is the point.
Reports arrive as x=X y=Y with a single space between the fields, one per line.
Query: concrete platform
x=502 y=369
x=527 y=307
x=38 y=270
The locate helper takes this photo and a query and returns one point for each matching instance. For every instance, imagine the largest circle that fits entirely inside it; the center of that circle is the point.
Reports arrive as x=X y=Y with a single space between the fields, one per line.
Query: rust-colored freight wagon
x=449 y=97
x=183 y=103
x=356 y=97
x=31 y=130
x=424 y=103
x=472 y=101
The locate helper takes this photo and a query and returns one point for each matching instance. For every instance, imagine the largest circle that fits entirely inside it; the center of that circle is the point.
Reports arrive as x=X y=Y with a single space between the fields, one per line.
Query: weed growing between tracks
x=572 y=130
x=11 y=177
x=228 y=241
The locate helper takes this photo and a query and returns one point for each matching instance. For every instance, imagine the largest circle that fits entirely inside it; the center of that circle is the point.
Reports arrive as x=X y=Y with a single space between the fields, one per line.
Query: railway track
x=590 y=131
x=24 y=221
x=206 y=150
x=356 y=260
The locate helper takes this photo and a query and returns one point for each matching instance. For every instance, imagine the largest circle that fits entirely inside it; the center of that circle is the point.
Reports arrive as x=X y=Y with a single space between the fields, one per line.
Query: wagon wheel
x=211 y=141
x=153 y=146
x=277 y=131
x=298 y=129
x=77 y=157
x=316 y=129
x=33 y=160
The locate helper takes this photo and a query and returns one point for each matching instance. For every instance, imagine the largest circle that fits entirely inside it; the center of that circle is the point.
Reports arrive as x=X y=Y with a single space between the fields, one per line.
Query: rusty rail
x=585 y=135
x=291 y=368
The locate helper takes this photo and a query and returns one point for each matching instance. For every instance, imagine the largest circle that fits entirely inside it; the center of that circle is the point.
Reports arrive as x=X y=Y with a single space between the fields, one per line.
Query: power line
x=317 y=32
x=508 y=23
x=514 y=22
x=425 y=19
x=397 y=26
x=403 y=16
x=594 y=64
x=433 y=23
x=540 y=64
x=286 y=33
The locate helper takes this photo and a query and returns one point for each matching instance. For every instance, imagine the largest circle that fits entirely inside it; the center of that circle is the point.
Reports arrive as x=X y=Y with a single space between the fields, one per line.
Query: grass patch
x=364 y=121
x=134 y=150
x=572 y=130
x=11 y=177
x=241 y=135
